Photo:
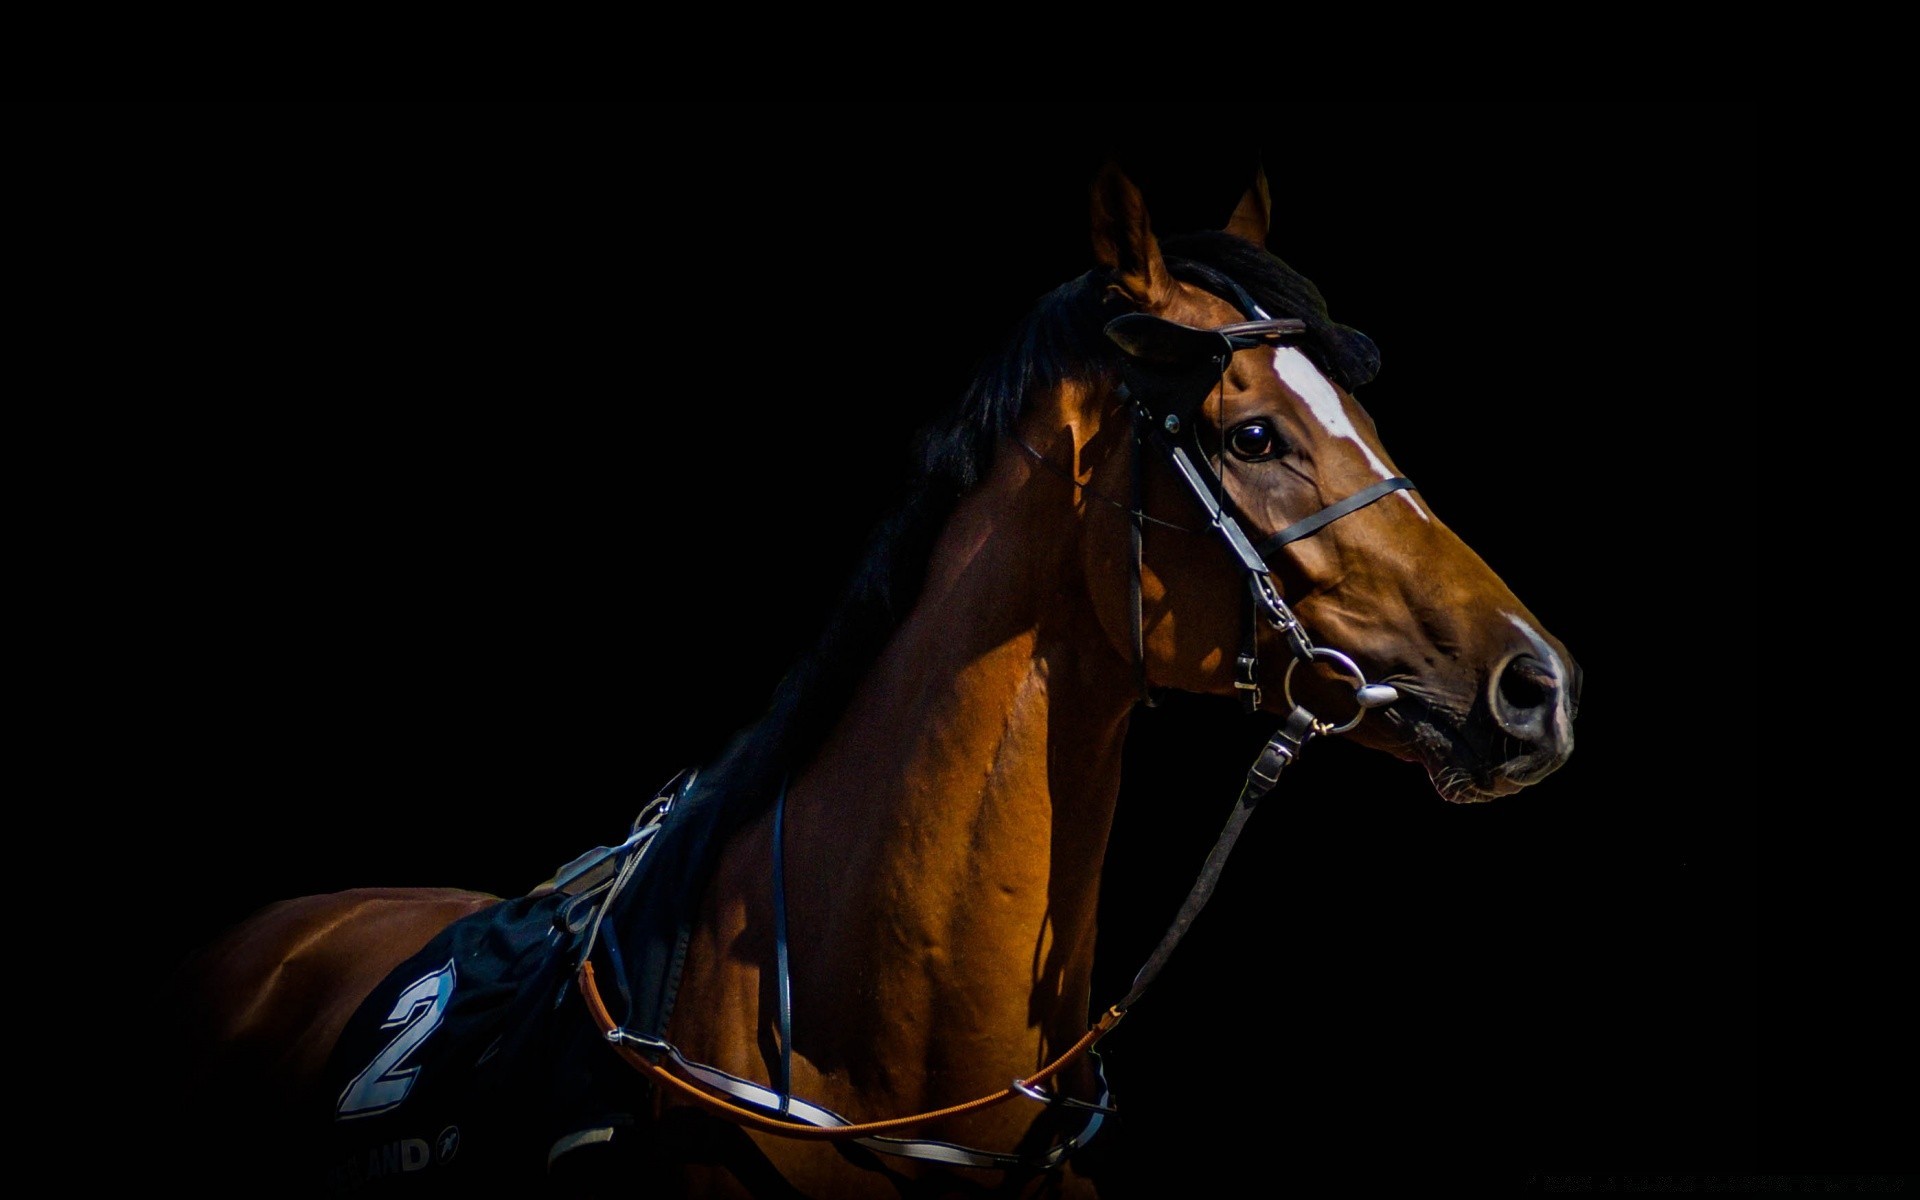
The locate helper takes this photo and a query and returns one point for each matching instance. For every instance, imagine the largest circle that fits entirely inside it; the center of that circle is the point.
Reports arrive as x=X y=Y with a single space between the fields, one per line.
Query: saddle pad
x=425 y=1074
x=475 y=1059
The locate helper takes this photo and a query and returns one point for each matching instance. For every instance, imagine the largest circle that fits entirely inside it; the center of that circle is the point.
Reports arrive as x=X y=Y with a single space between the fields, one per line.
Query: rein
x=1168 y=371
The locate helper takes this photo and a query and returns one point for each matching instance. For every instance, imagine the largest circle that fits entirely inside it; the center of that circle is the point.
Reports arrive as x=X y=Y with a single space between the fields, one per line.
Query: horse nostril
x=1527 y=685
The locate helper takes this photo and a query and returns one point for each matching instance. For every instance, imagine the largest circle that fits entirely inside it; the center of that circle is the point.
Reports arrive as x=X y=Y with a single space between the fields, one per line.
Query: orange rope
x=746 y=1116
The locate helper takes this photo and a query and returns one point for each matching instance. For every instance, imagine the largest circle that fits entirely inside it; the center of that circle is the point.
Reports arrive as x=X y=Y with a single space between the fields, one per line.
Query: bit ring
x=1352 y=671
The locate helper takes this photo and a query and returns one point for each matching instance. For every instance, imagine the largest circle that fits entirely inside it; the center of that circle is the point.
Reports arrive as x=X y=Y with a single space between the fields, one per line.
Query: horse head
x=1225 y=358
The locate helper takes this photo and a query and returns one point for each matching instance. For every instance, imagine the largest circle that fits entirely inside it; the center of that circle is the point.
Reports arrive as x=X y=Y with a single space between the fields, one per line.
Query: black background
x=449 y=476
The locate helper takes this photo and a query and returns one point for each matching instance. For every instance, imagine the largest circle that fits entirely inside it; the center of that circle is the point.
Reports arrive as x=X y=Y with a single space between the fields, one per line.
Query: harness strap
x=811 y=1122
x=782 y=974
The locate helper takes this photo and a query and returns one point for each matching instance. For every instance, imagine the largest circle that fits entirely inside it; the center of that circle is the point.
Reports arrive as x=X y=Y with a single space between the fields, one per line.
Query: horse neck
x=943 y=849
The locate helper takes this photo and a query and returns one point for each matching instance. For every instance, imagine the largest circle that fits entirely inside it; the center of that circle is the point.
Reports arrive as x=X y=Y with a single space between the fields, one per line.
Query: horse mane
x=1057 y=342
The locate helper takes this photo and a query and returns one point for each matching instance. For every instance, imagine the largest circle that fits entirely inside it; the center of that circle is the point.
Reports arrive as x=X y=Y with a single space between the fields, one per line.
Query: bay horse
x=853 y=956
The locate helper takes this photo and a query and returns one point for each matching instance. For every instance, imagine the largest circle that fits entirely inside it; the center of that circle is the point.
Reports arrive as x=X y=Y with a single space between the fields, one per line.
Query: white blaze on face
x=1304 y=380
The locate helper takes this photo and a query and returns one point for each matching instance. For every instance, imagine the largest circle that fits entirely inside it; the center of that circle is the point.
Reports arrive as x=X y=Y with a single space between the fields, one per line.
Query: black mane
x=1059 y=341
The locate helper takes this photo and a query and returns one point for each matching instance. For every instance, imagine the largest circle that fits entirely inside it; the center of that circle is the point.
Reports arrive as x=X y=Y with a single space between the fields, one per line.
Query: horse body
x=943 y=840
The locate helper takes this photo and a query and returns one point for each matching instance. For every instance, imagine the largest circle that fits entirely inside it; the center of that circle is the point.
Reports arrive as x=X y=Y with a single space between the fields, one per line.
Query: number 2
x=384 y=1083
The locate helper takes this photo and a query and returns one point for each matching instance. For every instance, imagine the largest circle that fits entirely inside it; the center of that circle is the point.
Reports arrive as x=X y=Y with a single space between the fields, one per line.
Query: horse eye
x=1253 y=441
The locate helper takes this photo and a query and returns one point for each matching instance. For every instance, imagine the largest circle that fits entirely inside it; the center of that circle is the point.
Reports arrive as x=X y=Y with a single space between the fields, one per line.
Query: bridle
x=1168 y=371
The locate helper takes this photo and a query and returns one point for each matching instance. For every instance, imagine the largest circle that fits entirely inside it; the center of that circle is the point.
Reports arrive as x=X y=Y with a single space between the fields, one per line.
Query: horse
x=853 y=955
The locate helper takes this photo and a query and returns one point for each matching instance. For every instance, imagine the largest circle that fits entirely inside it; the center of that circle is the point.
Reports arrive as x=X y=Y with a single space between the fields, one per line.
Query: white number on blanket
x=418 y=1012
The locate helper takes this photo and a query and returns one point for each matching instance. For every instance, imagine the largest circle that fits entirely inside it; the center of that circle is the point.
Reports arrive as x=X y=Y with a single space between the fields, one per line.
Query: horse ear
x=1123 y=240
x=1253 y=217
